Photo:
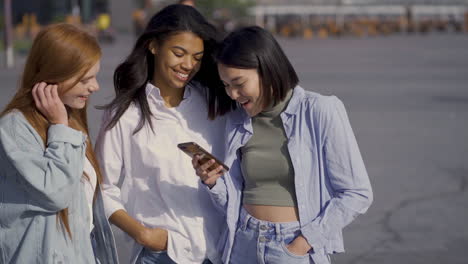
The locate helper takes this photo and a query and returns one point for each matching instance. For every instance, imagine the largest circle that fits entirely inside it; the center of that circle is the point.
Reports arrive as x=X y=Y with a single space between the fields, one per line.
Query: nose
x=188 y=63
x=233 y=93
x=93 y=86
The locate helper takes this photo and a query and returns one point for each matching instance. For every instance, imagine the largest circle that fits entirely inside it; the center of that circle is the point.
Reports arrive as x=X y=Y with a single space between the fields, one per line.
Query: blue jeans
x=264 y=242
x=157 y=257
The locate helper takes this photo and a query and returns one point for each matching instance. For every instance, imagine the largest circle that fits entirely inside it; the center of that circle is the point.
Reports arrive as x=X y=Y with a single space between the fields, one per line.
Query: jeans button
x=263 y=227
x=263 y=239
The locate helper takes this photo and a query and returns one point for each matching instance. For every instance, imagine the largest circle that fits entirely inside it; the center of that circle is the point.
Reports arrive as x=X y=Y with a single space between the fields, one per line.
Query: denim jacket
x=331 y=182
x=37 y=182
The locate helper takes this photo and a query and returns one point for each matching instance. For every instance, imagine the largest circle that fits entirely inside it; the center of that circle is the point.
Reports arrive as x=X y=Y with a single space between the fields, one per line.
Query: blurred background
x=307 y=19
x=400 y=67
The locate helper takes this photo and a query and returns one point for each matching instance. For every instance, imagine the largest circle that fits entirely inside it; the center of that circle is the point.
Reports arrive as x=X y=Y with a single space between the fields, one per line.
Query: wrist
x=164 y=236
x=209 y=185
x=59 y=123
x=141 y=236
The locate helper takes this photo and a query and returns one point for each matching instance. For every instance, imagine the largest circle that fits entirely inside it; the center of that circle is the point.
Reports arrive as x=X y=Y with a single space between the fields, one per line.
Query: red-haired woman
x=51 y=209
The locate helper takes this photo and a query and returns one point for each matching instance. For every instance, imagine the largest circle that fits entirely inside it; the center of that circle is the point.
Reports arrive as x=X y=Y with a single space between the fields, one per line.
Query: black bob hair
x=255 y=48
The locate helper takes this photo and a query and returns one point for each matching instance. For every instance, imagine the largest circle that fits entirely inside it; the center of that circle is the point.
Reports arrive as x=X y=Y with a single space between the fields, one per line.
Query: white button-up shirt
x=146 y=174
x=89 y=188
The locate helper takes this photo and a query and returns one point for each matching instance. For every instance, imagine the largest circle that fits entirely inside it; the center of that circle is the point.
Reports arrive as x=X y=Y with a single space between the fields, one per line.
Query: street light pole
x=75 y=8
x=85 y=11
x=8 y=35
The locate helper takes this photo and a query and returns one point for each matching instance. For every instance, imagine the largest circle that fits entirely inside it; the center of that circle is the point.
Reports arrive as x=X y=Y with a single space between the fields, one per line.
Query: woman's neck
x=172 y=97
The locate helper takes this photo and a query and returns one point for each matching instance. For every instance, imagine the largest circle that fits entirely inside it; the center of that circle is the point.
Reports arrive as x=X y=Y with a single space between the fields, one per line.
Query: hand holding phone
x=206 y=166
x=192 y=149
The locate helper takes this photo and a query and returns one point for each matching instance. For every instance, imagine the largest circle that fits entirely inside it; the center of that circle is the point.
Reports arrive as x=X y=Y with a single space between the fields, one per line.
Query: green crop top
x=266 y=165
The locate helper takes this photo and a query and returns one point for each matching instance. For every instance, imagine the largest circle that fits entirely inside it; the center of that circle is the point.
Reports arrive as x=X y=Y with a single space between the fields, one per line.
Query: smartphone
x=192 y=149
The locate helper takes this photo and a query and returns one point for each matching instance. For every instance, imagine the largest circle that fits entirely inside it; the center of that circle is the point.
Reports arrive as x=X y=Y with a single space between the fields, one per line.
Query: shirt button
x=263 y=227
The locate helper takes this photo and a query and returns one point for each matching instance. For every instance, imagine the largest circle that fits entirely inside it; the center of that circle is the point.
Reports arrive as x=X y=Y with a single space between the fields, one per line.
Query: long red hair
x=60 y=52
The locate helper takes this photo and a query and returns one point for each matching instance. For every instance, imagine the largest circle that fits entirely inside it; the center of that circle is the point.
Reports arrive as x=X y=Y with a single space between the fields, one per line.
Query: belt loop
x=279 y=236
x=245 y=219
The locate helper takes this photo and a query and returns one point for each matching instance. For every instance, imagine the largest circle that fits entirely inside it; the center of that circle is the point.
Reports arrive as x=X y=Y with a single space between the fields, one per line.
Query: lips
x=181 y=76
x=243 y=102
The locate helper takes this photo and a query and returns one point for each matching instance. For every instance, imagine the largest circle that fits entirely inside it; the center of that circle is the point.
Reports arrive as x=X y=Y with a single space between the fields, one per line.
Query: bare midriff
x=278 y=214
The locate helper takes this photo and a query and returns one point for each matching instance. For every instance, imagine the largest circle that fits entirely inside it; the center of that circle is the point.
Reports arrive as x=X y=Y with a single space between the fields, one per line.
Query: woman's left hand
x=299 y=246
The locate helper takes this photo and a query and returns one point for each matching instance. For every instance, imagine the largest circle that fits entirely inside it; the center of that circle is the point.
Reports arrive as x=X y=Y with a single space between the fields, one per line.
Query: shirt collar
x=154 y=92
x=294 y=103
x=240 y=117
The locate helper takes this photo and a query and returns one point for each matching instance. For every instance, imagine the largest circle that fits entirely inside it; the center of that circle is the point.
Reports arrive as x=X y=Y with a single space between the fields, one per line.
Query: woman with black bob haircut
x=296 y=175
x=263 y=53
x=167 y=92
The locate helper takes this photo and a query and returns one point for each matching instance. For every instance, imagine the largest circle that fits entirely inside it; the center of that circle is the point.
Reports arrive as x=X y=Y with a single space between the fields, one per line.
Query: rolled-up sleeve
x=110 y=155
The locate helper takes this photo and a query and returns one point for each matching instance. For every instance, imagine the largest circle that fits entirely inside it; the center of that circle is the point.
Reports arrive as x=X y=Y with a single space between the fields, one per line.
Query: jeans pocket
x=148 y=256
x=320 y=257
x=150 y=251
x=290 y=254
x=241 y=233
x=287 y=239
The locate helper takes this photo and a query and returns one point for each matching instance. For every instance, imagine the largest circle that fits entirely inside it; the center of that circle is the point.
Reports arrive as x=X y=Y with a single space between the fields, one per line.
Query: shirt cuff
x=314 y=237
x=217 y=189
x=63 y=133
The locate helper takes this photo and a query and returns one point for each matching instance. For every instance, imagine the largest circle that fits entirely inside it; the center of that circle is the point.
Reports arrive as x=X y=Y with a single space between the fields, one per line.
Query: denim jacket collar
x=241 y=118
x=294 y=103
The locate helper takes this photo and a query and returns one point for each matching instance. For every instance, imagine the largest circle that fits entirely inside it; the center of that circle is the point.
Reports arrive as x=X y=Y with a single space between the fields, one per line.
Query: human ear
x=153 y=47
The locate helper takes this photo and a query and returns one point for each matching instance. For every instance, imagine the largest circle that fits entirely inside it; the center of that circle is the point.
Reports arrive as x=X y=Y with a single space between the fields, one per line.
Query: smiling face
x=76 y=96
x=177 y=60
x=243 y=85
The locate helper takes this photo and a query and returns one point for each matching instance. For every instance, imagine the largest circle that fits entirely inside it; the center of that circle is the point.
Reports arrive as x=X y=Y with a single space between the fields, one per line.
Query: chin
x=76 y=106
x=251 y=114
x=179 y=85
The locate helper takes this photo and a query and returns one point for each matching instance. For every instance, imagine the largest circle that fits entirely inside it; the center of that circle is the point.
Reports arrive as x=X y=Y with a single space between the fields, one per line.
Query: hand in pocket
x=299 y=246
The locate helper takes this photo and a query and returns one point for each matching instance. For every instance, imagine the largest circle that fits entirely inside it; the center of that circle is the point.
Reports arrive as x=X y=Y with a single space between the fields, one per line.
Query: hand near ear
x=49 y=103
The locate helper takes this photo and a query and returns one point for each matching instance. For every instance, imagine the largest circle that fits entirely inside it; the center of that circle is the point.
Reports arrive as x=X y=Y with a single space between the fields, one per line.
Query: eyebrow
x=184 y=50
x=85 y=78
x=236 y=78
